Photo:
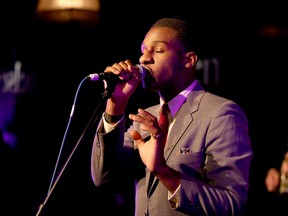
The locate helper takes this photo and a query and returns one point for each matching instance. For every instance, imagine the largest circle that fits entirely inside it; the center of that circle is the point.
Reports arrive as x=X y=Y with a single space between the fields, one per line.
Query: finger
x=137 y=118
x=147 y=115
x=132 y=70
x=114 y=69
x=147 y=124
x=120 y=69
x=128 y=62
x=123 y=65
x=127 y=72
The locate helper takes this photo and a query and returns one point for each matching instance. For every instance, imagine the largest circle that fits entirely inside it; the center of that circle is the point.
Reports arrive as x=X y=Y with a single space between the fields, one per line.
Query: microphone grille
x=142 y=70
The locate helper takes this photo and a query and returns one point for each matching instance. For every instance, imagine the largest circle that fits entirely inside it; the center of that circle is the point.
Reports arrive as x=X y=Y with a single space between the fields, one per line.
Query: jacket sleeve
x=106 y=151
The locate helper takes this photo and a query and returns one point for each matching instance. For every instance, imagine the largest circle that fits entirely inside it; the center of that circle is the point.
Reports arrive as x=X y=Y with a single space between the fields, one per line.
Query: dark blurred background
x=243 y=56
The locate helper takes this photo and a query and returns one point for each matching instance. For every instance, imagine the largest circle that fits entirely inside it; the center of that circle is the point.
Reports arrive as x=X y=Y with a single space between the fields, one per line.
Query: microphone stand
x=108 y=90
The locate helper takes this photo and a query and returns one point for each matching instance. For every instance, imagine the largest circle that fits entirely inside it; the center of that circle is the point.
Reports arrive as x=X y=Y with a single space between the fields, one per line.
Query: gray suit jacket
x=209 y=145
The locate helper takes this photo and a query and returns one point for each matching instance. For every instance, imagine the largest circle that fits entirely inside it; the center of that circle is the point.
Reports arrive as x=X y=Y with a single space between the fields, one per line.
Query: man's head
x=167 y=54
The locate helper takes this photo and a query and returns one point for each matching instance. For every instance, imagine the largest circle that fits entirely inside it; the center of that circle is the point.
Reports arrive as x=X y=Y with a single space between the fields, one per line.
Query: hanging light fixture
x=63 y=11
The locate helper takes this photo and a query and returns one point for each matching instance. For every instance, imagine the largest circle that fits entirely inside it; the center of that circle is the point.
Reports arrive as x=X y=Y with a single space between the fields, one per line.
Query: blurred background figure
x=276 y=182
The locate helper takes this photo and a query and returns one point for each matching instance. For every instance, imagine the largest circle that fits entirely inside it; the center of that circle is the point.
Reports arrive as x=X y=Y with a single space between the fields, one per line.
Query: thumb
x=137 y=137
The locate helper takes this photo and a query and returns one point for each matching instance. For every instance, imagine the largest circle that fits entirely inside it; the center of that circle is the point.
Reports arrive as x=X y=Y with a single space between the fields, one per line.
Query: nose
x=145 y=58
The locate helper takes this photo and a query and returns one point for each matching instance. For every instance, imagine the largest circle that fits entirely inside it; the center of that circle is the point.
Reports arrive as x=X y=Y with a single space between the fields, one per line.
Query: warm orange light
x=69 y=10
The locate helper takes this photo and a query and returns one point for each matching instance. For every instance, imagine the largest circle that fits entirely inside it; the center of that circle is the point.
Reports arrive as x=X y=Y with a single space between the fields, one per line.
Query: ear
x=191 y=59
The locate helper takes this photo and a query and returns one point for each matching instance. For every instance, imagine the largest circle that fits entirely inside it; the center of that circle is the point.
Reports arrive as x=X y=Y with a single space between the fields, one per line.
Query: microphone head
x=144 y=75
x=142 y=70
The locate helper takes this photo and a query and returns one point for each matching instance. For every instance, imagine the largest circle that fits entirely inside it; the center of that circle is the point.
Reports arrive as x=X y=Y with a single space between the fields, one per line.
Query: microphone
x=111 y=77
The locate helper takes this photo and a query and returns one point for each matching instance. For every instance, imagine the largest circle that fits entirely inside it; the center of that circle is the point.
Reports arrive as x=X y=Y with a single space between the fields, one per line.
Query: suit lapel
x=182 y=122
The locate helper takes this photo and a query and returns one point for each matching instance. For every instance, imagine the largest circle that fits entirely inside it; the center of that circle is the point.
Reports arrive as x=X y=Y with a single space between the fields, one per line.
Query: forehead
x=160 y=34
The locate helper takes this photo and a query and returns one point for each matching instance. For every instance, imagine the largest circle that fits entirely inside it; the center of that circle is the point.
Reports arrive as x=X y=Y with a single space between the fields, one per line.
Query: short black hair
x=183 y=29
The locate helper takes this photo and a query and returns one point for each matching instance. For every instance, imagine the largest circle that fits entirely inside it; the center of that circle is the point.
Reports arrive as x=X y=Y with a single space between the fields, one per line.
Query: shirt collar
x=178 y=100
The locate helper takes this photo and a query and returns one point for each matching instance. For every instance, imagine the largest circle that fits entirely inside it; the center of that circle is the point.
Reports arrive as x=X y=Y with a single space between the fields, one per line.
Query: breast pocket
x=186 y=161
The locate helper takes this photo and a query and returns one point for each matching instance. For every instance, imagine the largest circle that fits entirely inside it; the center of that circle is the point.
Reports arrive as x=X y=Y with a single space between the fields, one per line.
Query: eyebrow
x=155 y=42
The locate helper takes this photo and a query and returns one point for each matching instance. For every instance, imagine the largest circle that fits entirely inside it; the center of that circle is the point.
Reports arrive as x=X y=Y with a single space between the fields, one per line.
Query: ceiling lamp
x=63 y=11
